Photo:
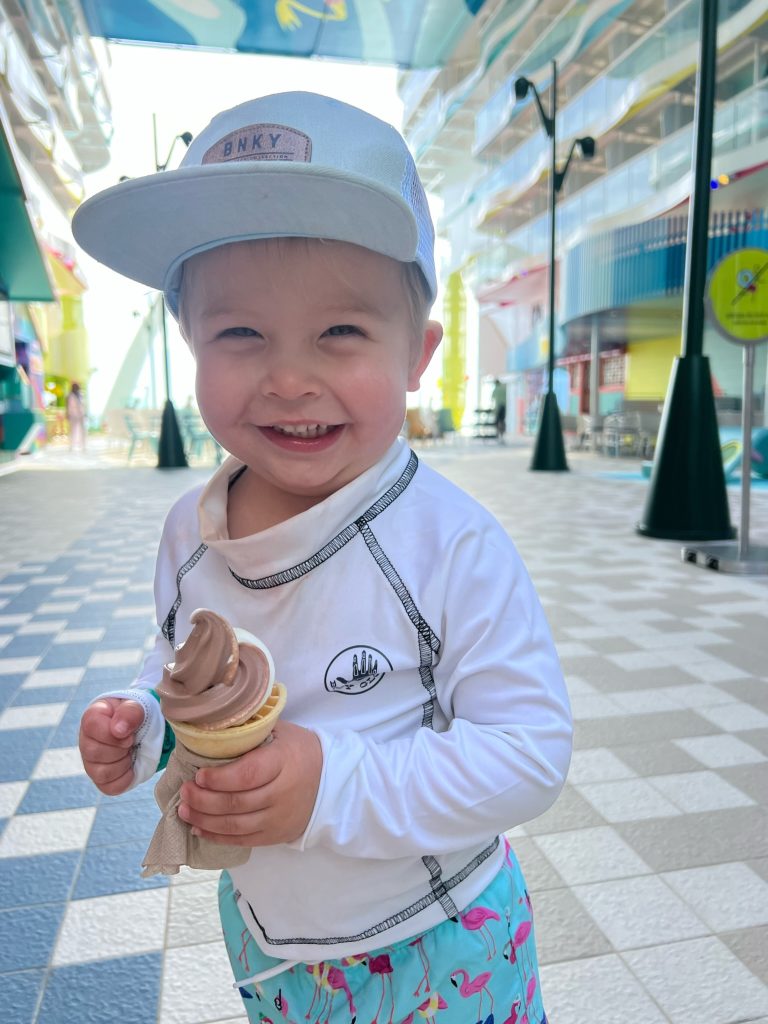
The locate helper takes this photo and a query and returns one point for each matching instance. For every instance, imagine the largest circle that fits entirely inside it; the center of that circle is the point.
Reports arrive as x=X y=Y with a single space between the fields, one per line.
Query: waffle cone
x=237 y=739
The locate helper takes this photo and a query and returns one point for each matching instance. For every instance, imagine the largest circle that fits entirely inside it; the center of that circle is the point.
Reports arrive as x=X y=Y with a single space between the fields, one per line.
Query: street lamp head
x=522 y=85
x=186 y=138
x=587 y=146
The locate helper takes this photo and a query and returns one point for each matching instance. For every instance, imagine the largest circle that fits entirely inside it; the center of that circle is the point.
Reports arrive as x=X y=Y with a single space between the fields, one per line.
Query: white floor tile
x=713 y=671
x=627 y=800
x=53 y=677
x=639 y=702
x=599 y=990
x=590 y=855
x=193 y=916
x=47 y=832
x=11 y=795
x=636 y=912
x=197 y=985
x=735 y=717
x=32 y=716
x=720 y=751
x=58 y=607
x=597 y=765
x=135 y=611
x=726 y=896
x=110 y=926
x=17 y=666
x=42 y=628
x=697 y=695
x=59 y=763
x=593 y=705
x=699 y=981
x=79 y=636
x=695 y=792
x=114 y=659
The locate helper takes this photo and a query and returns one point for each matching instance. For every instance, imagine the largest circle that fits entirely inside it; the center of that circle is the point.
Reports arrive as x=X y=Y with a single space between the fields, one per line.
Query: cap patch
x=261 y=142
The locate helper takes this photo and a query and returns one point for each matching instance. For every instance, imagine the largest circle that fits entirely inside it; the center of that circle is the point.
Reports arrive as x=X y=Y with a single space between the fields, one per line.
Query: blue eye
x=340 y=330
x=240 y=332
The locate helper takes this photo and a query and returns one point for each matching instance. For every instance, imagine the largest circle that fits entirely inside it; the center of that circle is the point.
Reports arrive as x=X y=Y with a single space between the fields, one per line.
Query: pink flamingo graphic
x=419 y=943
x=429 y=1007
x=522 y=932
x=328 y=981
x=382 y=966
x=513 y=1013
x=475 y=920
x=472 y=986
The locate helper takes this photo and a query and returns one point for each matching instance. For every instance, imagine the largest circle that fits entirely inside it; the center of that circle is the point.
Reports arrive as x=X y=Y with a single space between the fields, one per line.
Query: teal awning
x=407 y=33
x=23 y=271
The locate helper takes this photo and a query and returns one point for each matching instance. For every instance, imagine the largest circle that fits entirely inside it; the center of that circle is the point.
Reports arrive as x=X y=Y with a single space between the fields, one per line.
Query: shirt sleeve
x=504 y=757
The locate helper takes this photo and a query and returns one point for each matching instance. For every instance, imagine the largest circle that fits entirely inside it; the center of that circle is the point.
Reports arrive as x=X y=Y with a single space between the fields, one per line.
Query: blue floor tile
x=68 y=729
x=58 y=795
x=9 y=686
x=20 y=750
x=46 y=878
x=28 y=645
x=19 y=994
x=27 y=935
x=43 y=695
x=109 y=869
x=118 y=822
x=123 y=991
x=67 y=656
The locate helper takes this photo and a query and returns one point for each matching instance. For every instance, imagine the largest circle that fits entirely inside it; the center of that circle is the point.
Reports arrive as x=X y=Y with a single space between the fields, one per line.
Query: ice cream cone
x=237 y=739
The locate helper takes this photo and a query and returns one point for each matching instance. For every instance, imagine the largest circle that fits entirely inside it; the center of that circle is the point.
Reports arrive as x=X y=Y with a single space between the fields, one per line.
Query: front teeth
x=305 y=430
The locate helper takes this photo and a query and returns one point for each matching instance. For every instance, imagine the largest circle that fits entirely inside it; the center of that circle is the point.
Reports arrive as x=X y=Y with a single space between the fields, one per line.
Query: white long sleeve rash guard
x=409 y=636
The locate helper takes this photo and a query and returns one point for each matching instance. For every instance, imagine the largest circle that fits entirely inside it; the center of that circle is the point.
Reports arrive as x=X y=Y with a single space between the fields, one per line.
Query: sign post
x=737 y=305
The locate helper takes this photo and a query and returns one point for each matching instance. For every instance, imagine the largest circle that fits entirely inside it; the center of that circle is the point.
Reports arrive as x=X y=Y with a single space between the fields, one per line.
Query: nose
x=290 y=376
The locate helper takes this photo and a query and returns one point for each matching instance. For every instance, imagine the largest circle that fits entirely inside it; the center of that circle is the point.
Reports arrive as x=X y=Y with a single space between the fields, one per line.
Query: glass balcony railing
x=605 y=99
x=741 y=122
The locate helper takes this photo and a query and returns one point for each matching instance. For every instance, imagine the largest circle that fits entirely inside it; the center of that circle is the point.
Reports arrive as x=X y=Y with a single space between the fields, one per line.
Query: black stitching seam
x=169 y=626
x=336 y=543
x=395 y=919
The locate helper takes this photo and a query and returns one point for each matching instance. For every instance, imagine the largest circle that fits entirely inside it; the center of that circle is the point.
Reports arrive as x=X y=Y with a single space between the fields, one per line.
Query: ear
x=423 y=352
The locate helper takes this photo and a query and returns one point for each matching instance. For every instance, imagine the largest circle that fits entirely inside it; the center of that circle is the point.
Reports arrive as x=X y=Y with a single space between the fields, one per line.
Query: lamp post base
x=549 y=451
x=170 y=452
x=687 y=498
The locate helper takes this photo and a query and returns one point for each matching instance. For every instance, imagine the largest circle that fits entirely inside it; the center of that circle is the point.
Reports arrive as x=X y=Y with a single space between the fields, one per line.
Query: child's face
x=305 y=350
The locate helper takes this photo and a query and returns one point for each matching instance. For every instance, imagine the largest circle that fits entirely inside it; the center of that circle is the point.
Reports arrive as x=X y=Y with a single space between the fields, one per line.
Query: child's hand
x=107 y=734
x=264 y=797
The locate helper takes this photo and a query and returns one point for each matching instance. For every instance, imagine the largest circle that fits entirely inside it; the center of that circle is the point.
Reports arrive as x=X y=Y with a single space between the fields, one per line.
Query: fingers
x=127 y=719
x=107 y=735
x=253 y=770
x=111 y=778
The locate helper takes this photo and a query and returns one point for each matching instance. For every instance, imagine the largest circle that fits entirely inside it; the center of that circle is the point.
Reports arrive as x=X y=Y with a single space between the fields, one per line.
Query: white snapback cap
x=292 y=164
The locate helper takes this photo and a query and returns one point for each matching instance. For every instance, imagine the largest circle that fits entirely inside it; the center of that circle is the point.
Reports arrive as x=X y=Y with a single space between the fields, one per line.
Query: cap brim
x=144 y=228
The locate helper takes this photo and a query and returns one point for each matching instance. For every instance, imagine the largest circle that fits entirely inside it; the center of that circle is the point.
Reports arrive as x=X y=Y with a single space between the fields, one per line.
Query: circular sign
x=737 y=296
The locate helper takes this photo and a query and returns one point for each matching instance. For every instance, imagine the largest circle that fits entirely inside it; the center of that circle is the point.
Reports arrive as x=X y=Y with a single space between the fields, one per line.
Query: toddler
x=426 y=710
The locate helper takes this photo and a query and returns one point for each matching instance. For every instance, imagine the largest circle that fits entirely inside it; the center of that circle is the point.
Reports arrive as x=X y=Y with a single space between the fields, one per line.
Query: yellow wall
x=454 y=347
x=649 y=364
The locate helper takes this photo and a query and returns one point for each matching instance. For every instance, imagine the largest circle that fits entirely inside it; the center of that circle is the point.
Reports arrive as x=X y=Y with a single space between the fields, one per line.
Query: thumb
x=128 y=716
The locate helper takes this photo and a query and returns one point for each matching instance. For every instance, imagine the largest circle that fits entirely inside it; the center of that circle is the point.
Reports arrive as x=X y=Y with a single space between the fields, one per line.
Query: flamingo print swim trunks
x=479 y=968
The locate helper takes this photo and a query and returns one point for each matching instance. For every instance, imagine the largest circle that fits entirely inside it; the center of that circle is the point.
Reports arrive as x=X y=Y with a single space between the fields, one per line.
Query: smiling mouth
x=305 y=430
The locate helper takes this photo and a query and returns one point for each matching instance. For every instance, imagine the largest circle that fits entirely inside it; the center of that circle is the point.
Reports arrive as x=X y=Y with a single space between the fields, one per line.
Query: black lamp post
x=549 y=451
x=687 y=497
x=170 y=453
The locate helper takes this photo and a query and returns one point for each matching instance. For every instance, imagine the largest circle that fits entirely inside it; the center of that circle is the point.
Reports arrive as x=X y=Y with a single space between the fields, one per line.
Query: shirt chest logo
x=356 y=670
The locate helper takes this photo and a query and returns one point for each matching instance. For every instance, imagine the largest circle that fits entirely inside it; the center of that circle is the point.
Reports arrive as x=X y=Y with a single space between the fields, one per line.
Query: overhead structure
x=407 y=33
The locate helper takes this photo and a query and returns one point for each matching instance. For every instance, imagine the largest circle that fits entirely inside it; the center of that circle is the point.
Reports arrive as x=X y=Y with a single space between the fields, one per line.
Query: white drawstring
x=285 y=965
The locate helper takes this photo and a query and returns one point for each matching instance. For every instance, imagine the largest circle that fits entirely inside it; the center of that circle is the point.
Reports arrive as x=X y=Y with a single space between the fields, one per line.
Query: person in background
x=76 y=417
x=499 y=399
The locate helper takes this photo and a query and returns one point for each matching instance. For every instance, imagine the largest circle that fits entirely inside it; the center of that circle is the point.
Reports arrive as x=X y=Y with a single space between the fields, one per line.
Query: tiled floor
x=649 y=876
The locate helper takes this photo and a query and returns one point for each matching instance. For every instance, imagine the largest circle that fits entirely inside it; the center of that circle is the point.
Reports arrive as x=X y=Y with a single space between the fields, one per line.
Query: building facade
x=55 y=126
x=626 y=76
